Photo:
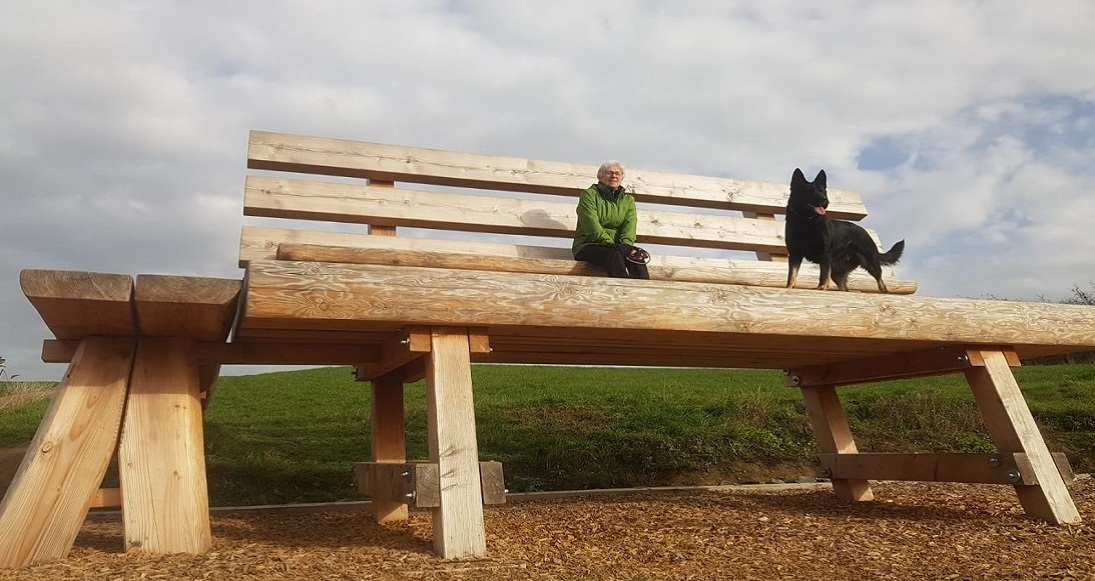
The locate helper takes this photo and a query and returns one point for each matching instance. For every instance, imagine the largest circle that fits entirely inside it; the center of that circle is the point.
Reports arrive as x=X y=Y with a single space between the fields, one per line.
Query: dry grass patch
x=14 y=394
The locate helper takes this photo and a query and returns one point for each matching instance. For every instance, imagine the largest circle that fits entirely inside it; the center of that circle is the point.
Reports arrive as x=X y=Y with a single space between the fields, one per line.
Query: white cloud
x=966 y=125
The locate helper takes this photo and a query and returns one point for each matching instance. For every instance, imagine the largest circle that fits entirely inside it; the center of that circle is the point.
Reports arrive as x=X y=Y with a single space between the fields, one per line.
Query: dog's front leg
x=793 y=264
x=823 y=279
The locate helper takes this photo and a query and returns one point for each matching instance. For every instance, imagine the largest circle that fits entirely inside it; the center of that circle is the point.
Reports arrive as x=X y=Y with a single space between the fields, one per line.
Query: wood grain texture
x=264 y=243
x=200 y=308
x=75 y=304
x=161 y=456
x=684 y=269
x=1012 y=427
x=59 y=477
x=389 y=440
x=834 y=436
x=935 y=361
x=374 y=161
x=927 y=467
x=305 y=295
x=458 y=523
x=351 y=203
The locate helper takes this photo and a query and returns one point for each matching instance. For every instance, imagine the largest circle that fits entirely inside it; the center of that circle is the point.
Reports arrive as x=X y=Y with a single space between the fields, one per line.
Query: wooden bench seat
x=534 y=318
x=467 y=260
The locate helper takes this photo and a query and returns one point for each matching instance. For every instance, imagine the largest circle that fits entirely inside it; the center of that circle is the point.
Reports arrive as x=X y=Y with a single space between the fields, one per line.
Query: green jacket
x=604 y=217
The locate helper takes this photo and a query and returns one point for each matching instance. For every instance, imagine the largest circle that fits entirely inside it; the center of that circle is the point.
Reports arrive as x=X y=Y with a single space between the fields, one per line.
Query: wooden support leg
x=834 y=437
x=48 y=500
x=1012 y=428
x=458 y=530
x=161 y=457
x=389 y=438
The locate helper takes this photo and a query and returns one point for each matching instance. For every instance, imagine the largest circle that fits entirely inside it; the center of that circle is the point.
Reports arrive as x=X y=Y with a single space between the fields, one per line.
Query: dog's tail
x=893 y=254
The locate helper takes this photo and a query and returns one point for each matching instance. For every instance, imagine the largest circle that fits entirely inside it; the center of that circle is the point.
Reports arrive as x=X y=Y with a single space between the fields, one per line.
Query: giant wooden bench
x=480 y=272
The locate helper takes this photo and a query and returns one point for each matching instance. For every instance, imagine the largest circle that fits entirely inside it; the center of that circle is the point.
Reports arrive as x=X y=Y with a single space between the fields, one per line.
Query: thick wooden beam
x=402 y=354
x=389 y=442
x=661 y=268
x=250 y=353
x=769 y=256
x=395 y=352
x=1012 y=427
x=45 y=505
x=107 y=498
x=830 y=427
x=419 y=483
x=77 y=304
x=435 y=259
x=305 y=295
x=266 y=243
x=262 y=243
x=935 y=361
x=199 y=308
x=376 y=229
x=286 y=353
x=375 y=161
x=161 y=456
x=1012 y=468
x=458 y=522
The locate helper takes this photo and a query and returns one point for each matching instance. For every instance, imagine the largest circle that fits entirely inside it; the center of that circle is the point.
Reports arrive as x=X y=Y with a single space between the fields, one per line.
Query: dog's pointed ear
x=820 y=179
x=797 y=177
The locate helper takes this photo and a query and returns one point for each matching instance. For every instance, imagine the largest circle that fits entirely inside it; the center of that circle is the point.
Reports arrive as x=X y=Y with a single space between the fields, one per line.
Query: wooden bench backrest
x=508 y=200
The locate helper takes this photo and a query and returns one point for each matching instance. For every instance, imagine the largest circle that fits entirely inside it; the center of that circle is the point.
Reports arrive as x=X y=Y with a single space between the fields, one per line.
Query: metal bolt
x=794 y=380
x=994 y=461
x=406 y=474
x=1014 y=476
x=405 y=340
x=410 y=496
x=815 y=460
x=826 y=472
x=963 y=357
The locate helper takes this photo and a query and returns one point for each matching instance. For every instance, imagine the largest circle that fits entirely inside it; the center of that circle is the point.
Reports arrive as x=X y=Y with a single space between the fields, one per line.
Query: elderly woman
x=605 y=235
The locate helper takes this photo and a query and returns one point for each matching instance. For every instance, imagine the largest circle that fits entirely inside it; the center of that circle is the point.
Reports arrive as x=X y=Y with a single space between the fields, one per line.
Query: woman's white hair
x=607 y=166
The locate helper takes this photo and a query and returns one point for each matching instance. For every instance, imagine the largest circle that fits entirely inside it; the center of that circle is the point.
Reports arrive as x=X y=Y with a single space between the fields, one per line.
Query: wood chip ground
x=911 y=531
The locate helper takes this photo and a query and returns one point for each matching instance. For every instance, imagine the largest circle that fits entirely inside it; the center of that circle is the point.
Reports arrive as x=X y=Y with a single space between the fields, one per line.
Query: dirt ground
x=10 y=458
x=910 y=531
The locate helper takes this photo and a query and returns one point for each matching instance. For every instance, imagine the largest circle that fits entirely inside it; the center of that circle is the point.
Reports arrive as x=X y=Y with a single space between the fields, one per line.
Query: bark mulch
x=910 y=531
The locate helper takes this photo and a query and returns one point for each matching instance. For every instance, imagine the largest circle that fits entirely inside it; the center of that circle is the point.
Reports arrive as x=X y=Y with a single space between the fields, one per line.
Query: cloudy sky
x=967 y=126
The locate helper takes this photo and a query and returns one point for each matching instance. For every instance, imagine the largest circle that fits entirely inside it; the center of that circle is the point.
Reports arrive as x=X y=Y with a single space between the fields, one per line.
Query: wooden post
x=834 y=437
x=389 y=437
x=458 y=529
x=46 y=503
x=766 y=256
x=373 y=228
x=1011 y=426
x=161 y=457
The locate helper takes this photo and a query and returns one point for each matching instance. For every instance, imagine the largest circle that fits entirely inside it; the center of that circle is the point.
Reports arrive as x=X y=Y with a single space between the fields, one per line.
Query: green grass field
x=293 y=436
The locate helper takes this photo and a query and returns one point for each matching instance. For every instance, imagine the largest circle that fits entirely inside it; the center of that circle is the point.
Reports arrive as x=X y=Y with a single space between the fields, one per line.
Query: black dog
x=837 y=246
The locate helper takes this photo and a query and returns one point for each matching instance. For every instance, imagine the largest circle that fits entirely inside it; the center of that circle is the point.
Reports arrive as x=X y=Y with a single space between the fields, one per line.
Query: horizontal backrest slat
x=261 y=243
x=338 y=157
x=384 y=206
